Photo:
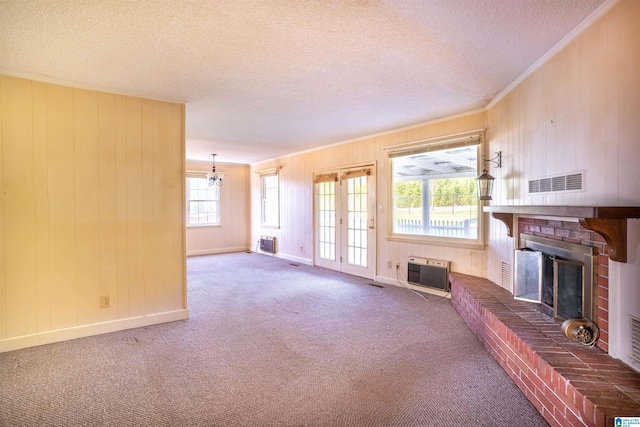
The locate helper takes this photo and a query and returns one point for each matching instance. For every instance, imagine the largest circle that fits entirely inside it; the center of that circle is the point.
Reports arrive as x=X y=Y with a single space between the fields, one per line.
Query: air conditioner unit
x=431 y=273
x=268 y=244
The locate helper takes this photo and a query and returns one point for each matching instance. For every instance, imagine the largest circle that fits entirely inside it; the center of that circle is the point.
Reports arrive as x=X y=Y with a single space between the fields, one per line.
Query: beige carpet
x=270 y=343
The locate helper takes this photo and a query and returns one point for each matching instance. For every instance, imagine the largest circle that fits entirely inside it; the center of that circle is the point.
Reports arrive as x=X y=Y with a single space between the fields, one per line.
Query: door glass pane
x=327 y=222
x=357 y=221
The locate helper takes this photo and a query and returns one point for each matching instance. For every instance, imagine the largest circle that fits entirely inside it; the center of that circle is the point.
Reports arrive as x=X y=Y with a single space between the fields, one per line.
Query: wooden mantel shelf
x=608 y=221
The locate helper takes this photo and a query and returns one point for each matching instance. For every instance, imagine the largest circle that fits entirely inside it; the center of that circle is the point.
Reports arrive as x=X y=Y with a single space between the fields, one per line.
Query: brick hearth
x=570 y=384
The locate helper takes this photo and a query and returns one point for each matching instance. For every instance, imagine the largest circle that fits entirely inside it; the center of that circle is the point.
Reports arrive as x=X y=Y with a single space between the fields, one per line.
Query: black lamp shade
x=485 y=185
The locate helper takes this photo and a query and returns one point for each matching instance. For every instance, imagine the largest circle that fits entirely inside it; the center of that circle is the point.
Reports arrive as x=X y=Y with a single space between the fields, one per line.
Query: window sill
x=436 y=241
x=204 y=225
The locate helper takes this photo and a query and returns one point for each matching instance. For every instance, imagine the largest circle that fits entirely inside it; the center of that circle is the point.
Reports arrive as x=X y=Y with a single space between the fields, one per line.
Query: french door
x=344 y=224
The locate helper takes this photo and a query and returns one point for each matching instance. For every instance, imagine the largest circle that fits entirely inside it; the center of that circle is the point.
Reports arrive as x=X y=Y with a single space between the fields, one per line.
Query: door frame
x=371 y=243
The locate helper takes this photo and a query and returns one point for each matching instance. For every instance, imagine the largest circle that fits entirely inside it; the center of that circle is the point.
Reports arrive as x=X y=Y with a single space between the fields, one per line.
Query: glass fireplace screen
x=550 y=280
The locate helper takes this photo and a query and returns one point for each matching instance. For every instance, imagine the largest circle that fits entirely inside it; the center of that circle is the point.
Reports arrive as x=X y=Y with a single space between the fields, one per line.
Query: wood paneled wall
x=92 y=205
x=295 y=235
x=232 y=234
x=578 y=112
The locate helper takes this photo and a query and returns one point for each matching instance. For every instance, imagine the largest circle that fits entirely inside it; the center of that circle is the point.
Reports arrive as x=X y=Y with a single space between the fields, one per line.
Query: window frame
x=423 y=146
x=217 y=201
x=265 y=176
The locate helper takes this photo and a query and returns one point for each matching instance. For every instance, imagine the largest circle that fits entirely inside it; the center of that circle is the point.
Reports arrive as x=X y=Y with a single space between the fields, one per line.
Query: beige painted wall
x=92 y=205
x=232 y=234
x=578 y=112
x=296 y=199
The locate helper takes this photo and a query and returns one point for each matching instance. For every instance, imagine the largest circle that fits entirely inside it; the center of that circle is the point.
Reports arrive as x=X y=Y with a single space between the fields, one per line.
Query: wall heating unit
x=428 y=272
x=268 y=244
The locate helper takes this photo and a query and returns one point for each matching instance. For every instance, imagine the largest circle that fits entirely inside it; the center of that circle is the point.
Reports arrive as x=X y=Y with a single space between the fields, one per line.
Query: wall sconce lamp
x=213 y=177
x=485 y=181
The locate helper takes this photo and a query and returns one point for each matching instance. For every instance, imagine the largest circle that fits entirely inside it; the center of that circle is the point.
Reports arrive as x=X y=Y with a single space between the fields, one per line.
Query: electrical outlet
x=105 y=301
x=301 y=249
x=389 y=264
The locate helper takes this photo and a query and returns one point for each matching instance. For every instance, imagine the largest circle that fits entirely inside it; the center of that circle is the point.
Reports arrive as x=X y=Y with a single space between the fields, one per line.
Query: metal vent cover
x=559 y=183
x=574 y=181
x=545 y=185
x=505 y=275
x=552 y=184
x=635 y=342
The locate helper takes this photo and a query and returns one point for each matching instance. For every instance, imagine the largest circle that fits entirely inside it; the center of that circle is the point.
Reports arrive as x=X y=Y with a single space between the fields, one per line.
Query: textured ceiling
x=265 y=78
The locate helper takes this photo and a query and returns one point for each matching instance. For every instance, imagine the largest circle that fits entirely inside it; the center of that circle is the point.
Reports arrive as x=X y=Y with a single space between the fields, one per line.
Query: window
x=270 y=215
x=433 y=190
x=203 y=202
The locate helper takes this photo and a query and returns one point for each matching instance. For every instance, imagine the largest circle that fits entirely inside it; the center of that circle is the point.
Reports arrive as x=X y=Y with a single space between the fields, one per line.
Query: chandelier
x=214 y=177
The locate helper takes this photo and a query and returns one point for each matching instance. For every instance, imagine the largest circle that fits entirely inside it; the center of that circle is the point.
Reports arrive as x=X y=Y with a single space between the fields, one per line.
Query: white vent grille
x=574 y=181
x=559 y=183
x=505 y=275
x=635 y=342
x=569 y=182
x=545 y=185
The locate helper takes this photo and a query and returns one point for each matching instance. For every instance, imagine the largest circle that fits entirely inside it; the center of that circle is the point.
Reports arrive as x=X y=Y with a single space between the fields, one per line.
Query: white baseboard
x=217 y=251
x=288 y=258
x=394 y=282
x=17 y=343
x=295 y=259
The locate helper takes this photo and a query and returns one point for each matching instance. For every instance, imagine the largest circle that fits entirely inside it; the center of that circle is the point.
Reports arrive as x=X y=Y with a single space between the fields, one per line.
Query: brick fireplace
x=569 y=383
x=573 y=232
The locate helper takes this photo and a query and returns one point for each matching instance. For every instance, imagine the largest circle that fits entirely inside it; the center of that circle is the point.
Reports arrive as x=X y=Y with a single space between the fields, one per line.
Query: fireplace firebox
x=557 y=275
